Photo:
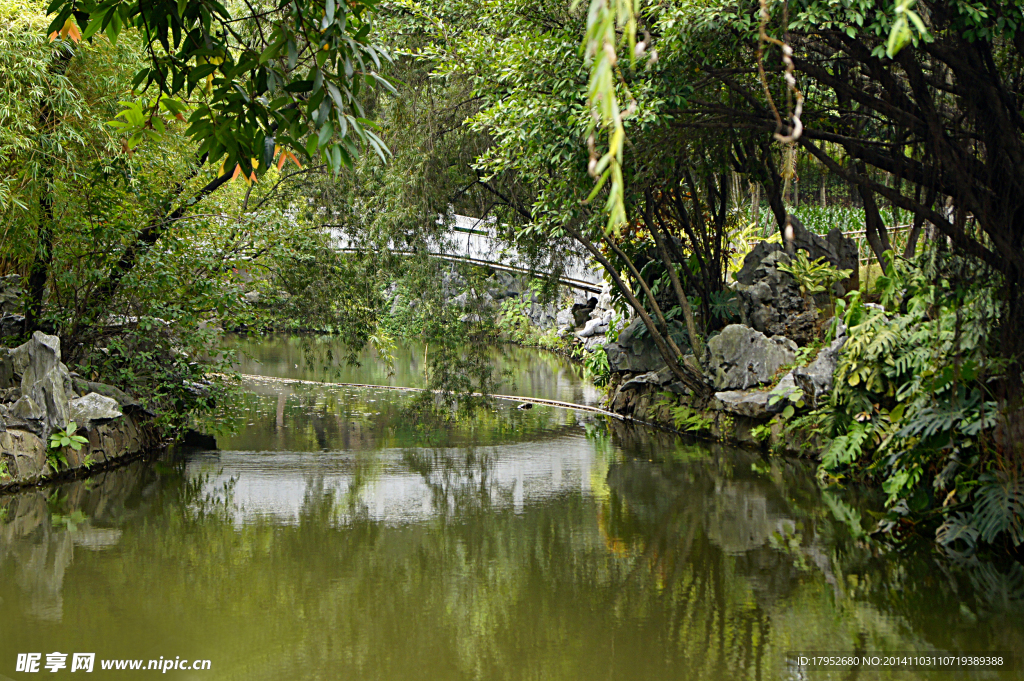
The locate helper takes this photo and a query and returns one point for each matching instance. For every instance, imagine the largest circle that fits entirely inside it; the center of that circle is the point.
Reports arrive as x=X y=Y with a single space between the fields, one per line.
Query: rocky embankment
x=39 y=396
x=752 y=365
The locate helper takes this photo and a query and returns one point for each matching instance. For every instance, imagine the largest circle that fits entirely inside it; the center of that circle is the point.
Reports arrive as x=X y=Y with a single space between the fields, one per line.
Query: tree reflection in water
x=522 y=545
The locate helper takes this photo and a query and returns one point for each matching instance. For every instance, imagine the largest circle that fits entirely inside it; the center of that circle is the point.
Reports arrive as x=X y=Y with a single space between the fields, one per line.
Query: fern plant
x=684 y=417
x=911 y=403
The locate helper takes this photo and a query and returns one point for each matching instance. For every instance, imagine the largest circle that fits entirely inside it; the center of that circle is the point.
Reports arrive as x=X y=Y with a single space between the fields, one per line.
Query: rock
x=27 y=450
x=542 y=316
x=741 y=357
x=252 y=297
x=94 y=409
x=752 y=403
x=770 y=300
x=581 y=311
x=815 y=380
x=471 y=317
x=44 y=380
x=639 y=355
x=31 y=416
x=451 y=282
x=563 y=318
x=124 y=400
x=594 y=326
x=461 y=300
x=36 y=357
x=53 y=393
x=11 y=324
x=835 y=247
x=679 y=388
x=643 y=380
x=8 y=421
x=7 y=379
x=748 y=273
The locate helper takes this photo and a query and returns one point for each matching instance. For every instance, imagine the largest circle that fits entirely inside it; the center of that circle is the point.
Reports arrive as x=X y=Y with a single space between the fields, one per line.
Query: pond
x=332 y=535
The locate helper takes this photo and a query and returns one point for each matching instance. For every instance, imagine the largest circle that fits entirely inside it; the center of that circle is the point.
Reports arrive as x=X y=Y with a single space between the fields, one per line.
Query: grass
x=820 y=220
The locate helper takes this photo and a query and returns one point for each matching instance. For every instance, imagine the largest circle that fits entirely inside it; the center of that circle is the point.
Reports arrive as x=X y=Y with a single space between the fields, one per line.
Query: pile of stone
x=39 y=396
x=745 y=363
x=770 y=299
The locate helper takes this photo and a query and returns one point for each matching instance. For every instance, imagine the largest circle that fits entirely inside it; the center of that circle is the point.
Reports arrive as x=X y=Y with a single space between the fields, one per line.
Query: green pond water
x=333 y=535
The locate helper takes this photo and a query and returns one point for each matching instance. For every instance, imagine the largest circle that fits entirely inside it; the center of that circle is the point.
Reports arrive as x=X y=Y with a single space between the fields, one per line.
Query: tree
x=934 y=128
x=281 y=82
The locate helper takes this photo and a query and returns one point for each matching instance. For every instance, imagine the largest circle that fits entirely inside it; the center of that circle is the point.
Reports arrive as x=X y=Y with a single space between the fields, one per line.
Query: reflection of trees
x=751 y=543
x=532 y=372
x=300 y=417
x=702 y=564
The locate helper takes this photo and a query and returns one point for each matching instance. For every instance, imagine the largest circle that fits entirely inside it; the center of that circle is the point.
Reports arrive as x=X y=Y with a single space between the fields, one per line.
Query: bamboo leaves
x=293 y=73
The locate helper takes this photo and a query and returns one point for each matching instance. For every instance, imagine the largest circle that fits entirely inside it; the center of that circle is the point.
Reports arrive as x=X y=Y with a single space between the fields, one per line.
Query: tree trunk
x=40 y=269
x=874 y=227
x=693 y=380
x=691 y=327
x=755 y=202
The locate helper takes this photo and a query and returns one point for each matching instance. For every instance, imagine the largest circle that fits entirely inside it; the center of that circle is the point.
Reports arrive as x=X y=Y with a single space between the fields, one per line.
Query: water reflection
x=526 y=372
x=334 y=538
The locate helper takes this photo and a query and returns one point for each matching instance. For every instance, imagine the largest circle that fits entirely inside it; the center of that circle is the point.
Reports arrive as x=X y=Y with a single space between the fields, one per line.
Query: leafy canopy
x=285 y=74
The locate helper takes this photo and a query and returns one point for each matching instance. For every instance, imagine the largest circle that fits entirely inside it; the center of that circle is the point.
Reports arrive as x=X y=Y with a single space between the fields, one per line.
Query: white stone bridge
x=475 y=241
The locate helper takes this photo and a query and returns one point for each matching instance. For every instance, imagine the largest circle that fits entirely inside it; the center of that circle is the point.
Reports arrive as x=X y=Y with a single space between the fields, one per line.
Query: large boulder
x=127 y=403
x=44 y=380
x=751 y=403
x=27 y=414
x=815 y=380
x=770 y=299
x=742 y=357
x=94 y=409
x=634 y=351
x=34 y=359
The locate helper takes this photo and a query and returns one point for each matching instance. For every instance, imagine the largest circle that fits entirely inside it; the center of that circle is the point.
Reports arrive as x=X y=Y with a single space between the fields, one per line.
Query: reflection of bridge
x=475 y=241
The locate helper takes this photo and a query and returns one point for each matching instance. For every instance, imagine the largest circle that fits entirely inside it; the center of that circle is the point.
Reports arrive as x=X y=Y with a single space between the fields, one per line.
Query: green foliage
x=813 y=277
x=912 y=403
x=59 y=441
x=67 y=438
x=288 y=76
x=512 y=319
x=685 y=417
x=901 y=33
x=596 y=367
